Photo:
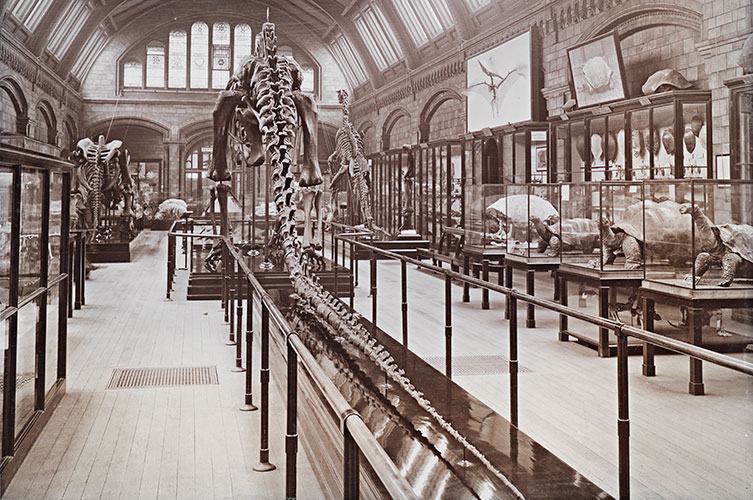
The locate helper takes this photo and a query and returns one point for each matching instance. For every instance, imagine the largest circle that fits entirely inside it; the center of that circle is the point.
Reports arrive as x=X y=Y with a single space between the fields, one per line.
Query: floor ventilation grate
x=143 y=378
x=494 y=364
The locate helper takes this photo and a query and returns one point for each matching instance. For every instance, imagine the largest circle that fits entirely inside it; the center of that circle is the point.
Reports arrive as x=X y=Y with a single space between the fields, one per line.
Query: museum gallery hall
x=405 y=249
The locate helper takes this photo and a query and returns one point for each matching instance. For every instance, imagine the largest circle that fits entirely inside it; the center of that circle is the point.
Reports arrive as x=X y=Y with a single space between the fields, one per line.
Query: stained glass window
x=243 y=43
x=155 y=64
x=199 y=56
x=176 y=72
x=132 y=73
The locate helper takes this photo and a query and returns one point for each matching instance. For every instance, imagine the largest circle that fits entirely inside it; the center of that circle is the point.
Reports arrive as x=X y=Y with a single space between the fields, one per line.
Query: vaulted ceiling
x=88 y=25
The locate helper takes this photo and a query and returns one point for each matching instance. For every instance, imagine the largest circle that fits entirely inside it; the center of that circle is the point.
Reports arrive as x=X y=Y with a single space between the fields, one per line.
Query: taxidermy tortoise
x=731 y=245
x=571 y=234
x=668 y=233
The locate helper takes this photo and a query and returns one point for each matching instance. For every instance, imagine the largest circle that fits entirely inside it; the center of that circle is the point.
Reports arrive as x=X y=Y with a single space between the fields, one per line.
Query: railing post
x=169 y=268
x=352 y=292
x=334 y=268
x=239 y=291
x=77 y=272
x=563 y=336
x=512 y=307
x=485 y=277
x=71 y=279
x=350 y=465
x=649 y=350
x=373 y=278
x=223 y=279
x=231 y=298
x=264 y=465
x=467 y=272
x=404 y=297
x=508 y=284
x=530 y=318
x=82 y=269
x=448 y=325
x=623 y=418
x=291 y=437
x=248 y=401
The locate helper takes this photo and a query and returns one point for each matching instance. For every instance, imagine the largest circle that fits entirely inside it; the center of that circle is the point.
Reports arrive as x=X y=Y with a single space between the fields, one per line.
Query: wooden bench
x=449 y=249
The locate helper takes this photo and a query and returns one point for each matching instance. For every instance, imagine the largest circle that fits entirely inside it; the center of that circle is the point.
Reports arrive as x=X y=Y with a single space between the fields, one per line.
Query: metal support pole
x=240 y=289
x=531 y=318
x=513 y=308
x=373 y=277
x=649 y=350
x=623 y=418
x=223 y=280
x=264 y=465
x=604 y=313
x=563 y=317
x=352 y=291
x=695 y=386
x=82 y=270
x=404 y=296
x=248 y=401
x=334 y=269
x=71 y=279
x=508 y=284
x=169 y=284
x=448 y=325
x=485 y=277
x=230 y=310
x=350 y=465
x=466 y=271
x=291 y=437
x=77 y=273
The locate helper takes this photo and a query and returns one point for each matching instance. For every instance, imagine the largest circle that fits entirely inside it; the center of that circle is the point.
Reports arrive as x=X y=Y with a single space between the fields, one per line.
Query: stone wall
x=699 y=38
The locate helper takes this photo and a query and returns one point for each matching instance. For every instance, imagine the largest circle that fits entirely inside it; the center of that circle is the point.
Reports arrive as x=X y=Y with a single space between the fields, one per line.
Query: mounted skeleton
x=101 y=181
x=349 y=155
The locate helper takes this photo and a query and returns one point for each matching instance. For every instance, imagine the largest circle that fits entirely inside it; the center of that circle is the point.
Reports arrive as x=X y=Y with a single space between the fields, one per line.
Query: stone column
x=172 y=160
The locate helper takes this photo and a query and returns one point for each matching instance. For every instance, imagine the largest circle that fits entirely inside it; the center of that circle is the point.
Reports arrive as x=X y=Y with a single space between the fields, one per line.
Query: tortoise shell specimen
x=738 y=238
x=668 y=230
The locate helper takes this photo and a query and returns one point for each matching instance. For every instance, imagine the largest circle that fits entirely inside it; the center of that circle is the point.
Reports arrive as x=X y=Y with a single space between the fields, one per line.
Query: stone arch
x=368 y=134
x=70 y=133
x=45 y=115
x=631 y=20
x=16 y=95
x=102 y=126
x=389 y=124
x=430 y=108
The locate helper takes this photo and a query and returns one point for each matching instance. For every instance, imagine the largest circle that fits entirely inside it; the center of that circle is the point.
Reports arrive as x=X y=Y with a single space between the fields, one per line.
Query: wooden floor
x=185 y=443
x=682 y=446
x=192 y=442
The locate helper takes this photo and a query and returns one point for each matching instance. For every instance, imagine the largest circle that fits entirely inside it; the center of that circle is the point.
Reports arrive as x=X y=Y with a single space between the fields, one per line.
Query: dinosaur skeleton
x=269 y=84
x=102 y=179
x=349 y=155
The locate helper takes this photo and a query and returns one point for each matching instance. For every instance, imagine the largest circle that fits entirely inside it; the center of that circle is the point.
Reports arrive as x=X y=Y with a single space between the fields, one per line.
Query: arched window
x=308 y=80
x=220 y=55
x=242 y=44
x=44 y=126
x=132 y=74
x=199 y=56
x=155 y=64
x=176 y=73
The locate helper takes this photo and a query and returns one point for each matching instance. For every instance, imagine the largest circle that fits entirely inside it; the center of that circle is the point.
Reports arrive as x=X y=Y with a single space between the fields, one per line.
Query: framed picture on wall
x=502 y=84
x=596 y=71
x=541 y=159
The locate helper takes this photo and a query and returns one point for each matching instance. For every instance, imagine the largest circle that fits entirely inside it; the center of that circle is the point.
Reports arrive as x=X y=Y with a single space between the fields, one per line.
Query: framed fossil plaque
x=596 y=71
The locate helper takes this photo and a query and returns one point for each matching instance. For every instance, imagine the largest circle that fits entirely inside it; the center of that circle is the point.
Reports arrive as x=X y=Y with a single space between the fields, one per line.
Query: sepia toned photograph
x=379 y=249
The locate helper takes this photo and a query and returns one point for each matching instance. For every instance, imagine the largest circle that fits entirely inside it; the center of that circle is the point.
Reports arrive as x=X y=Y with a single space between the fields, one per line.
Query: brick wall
x=448 y=120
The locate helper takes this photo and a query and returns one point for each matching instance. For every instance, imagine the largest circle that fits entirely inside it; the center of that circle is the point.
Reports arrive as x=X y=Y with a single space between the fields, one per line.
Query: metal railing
x=242 y=291
x=621 y=330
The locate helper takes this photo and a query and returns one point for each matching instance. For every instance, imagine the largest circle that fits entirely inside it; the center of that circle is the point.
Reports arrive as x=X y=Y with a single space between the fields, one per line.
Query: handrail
x=383 y=466
x=617 y=326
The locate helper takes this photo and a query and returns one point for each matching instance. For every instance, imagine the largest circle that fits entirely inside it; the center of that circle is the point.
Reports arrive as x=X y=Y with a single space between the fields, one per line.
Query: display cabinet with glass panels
x=531 y=212
x=707 y=237
x=34 y=228
x=660 y=136
x=596 y=219
x=485 y=225
x=741 y=130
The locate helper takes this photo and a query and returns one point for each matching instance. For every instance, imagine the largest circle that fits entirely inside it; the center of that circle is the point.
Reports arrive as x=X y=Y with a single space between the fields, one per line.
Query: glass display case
x=661 y=136
x=34 y=288
x=740 y=128
x=595 y=220
x=485 y=226
x=707 y=240
x=531 y=213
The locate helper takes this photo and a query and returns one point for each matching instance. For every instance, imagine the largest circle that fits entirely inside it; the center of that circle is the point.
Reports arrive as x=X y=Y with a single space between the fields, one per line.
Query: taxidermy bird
x=495 y=88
